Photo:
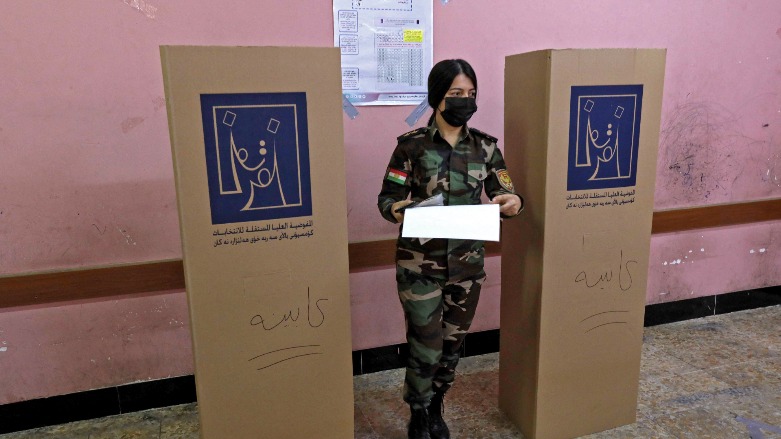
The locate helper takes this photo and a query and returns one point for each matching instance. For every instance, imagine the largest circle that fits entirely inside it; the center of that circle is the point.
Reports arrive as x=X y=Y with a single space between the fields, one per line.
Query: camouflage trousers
x=438 y=314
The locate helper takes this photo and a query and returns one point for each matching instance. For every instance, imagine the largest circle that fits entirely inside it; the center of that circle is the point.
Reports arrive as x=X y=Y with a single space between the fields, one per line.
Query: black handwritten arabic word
x=604 y=277
x=292 y=315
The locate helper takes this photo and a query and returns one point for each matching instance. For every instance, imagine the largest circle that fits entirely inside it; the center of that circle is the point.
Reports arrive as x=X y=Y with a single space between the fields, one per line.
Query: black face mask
x=458 y=111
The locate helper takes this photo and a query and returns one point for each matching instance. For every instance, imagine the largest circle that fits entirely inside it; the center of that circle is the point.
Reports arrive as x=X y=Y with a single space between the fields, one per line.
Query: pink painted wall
x=53 y=350
x=86 y=175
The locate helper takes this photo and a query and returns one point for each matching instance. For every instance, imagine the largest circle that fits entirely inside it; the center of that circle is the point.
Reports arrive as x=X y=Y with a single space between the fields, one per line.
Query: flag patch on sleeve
x=504 y=179
x=396 y=176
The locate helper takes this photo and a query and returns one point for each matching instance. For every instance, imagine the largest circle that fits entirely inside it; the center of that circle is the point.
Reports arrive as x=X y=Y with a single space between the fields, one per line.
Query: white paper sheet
x=479 y=222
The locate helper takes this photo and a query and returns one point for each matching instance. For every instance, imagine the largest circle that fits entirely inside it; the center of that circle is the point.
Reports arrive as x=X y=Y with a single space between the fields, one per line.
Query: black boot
x=436 y=425
x=418 y=425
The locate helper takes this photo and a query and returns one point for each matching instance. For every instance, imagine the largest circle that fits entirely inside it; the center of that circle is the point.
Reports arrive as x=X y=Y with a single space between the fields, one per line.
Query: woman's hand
x=509 y=204
x=398 y=205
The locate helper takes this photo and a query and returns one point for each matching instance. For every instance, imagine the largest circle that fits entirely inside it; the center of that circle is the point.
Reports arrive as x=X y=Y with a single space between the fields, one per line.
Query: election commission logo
x=257 y=156
x=604 y=136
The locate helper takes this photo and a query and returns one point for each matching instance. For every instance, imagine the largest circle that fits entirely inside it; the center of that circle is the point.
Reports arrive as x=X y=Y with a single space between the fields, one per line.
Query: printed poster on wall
x=387 y=49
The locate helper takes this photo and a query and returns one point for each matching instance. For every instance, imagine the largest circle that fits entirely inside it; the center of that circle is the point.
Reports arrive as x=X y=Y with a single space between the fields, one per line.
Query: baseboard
x=135 y=397
x=97 y=403
x=671 y=312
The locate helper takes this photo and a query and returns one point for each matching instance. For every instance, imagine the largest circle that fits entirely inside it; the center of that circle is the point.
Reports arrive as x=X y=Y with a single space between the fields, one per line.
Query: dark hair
x=441 y=78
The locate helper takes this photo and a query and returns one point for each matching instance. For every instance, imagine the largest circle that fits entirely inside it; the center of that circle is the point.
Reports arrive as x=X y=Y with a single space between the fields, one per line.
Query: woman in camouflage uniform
x=439 y=280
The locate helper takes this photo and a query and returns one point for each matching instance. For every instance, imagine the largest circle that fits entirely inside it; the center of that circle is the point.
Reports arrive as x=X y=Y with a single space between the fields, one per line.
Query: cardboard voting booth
x=257 y=143
x=581 y=136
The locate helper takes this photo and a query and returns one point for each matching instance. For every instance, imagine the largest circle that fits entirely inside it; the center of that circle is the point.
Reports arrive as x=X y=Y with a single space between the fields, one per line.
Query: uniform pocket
x=477 y=171
x=426 y=167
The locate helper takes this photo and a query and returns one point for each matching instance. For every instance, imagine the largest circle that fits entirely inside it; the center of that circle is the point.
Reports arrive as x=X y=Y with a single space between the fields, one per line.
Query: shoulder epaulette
x=413 y=133
x=486 y=135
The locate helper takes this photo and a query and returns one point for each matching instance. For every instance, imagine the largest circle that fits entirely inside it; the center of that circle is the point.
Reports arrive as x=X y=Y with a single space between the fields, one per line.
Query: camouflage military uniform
x=439 y=280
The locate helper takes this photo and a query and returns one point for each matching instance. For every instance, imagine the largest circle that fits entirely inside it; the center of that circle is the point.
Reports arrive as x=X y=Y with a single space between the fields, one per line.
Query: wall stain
x=699 y=159
x=764 y=271
x=128 y=239
x=130 y=123
x=144 y=7
x=159 y=102
x=773 y=174
x=673 y=286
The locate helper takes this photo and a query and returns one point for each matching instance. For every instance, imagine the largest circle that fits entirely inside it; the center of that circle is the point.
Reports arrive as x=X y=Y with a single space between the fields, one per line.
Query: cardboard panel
x=256 y=135
x=582 y=130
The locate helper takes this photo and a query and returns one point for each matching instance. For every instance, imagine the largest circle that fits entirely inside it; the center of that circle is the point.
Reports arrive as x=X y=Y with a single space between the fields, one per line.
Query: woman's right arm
x=395 y=186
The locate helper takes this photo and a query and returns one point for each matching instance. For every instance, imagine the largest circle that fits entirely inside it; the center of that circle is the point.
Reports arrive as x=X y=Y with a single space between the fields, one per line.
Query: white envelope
x=478 y=222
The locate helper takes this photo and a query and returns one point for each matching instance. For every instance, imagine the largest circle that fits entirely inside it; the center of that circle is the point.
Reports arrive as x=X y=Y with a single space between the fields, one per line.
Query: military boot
x=418 y=425
x=436 y=425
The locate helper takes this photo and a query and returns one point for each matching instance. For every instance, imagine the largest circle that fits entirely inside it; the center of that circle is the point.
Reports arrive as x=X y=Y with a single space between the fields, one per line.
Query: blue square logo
x=604 y=136
x=257 y=156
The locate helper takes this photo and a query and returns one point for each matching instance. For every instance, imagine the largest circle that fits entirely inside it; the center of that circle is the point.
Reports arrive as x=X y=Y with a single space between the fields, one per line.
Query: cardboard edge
x=511 y=401
x=170 y=111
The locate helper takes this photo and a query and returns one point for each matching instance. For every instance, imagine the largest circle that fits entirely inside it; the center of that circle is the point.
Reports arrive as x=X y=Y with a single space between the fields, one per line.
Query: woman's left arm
x=499 y=187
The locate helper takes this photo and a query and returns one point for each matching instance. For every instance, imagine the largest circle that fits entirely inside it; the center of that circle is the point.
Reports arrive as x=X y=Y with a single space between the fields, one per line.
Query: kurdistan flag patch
x=396 y=176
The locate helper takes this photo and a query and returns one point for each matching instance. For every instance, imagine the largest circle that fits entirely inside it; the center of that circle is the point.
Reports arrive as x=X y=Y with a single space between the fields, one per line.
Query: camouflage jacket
x=424 y=164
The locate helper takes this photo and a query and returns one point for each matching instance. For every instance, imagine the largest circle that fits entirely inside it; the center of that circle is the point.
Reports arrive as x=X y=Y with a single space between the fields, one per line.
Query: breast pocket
x=477 y=173
x=425 y=176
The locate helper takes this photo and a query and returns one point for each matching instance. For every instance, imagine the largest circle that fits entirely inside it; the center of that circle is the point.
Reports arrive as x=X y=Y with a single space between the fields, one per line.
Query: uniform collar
x=433 y=129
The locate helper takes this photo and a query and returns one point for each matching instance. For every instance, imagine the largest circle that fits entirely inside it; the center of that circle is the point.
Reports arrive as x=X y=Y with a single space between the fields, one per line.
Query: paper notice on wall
x=387 y=49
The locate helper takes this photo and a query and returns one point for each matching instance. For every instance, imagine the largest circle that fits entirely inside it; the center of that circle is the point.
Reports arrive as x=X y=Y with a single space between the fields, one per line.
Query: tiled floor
x=717 y=377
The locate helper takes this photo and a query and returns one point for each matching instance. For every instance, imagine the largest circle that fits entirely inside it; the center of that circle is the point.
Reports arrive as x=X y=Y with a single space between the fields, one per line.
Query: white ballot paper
x=478 y=222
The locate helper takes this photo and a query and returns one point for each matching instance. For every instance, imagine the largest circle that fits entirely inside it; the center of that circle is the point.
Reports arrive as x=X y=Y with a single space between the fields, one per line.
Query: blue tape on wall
x=349 y=108
x=413 y=117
